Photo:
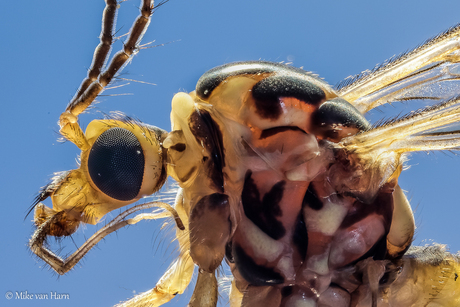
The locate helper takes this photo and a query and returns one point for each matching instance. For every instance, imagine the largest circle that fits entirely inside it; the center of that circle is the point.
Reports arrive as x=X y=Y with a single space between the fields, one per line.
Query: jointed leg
x=206 y=290
x=173 y=282
x=236 y=297
x=176 y=279
x=62 y=266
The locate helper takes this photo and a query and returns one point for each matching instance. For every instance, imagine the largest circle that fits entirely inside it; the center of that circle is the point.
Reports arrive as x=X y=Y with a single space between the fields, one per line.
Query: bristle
x=416 y=131
x=395 y=60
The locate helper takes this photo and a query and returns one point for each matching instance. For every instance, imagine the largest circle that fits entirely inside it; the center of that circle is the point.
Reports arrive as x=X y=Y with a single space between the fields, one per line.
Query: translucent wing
x=430 y=71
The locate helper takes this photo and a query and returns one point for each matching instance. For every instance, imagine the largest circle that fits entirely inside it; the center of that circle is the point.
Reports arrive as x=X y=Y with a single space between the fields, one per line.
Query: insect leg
x=205 y=293
x=96 y=81
x=62 y=266
x=176 y=279
x=236 y=297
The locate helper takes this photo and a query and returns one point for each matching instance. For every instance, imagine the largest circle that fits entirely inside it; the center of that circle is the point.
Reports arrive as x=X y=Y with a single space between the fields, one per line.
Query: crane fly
x=280 y=175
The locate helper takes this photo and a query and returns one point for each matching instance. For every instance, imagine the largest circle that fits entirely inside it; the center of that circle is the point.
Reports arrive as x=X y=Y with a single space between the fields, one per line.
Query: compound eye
x=116 y=164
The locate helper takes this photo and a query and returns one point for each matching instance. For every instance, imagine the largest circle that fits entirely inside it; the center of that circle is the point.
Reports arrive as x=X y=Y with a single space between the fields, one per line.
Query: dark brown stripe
x=273 y=131
x=253 y=273
x=263 y=212
x=208 y=133
x=311 y=199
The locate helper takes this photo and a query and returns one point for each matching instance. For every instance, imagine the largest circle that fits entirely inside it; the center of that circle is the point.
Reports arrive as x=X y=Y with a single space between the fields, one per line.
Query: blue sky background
x=47 y=47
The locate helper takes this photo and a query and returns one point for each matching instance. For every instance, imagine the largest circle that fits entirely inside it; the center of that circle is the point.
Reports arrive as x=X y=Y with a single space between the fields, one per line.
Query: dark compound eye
x=116 y=164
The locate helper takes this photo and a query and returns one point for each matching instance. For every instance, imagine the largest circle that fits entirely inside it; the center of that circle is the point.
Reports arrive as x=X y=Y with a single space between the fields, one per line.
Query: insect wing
x=415 y=74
